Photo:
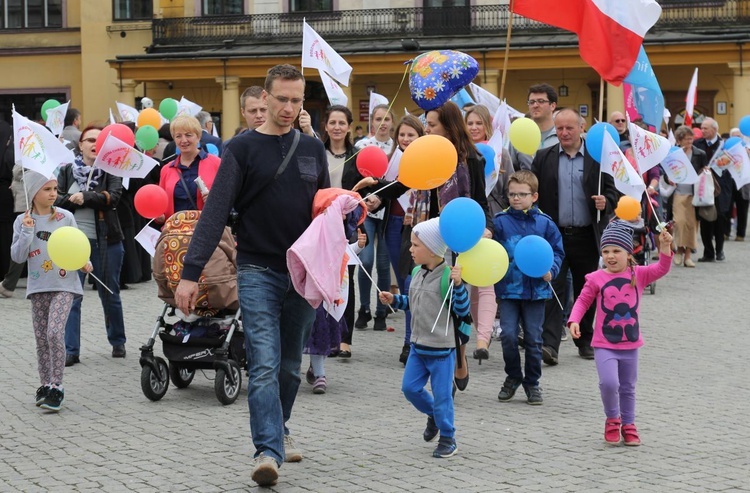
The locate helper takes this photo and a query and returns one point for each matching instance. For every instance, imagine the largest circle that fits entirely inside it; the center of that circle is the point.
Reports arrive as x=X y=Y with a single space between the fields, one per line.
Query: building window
x=33 y=14
x=132 y=10
x=27 y=104
x=310 y=6
x=223 y=7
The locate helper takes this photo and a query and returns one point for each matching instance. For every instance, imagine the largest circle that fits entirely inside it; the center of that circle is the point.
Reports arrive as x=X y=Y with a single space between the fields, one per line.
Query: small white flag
x=614 y=163
x=334 y=92
x=692 y=96
x=127 y=113
x=490 y=179
x=735 y=160
x=56 y=118
x=316 y=53
x=649 y=148
x=111 y=117
x=501 y=120
x=36 y=148
x=187 y=107
x=119 y=159
x=148 y=237
x=485 y=98
x=678 y=168
x=376 y=100
x=671 y=138
x=338 y=307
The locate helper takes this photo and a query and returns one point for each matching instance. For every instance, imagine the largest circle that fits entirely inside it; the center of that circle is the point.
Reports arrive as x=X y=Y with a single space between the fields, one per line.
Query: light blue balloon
x=533 y=255
x=745 y=126
x=489 y=157
x=212 y=149
x=462 y=224
x=731 y=142
x=595 y=138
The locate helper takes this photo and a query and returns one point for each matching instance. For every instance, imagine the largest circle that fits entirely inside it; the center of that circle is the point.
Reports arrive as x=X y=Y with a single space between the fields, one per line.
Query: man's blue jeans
x=277 y=322
x=532 y=314
x=379 y=255
x=111 y=303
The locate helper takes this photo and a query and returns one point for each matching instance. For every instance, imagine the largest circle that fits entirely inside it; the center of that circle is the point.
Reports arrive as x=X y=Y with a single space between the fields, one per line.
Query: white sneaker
x=564 y=336
x=5 y=292
x=496 y=329
x=291 y=453
x=265 y=470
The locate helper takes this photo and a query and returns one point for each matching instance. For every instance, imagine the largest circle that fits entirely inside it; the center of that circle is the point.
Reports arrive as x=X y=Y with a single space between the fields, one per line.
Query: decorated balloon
x=150 y=201
x=595 y=139
x=428 y=162
x=118 y=130
x=745 y=125
x=146 y=137
x=525 y=135
x=533 y=256
x=149 y=116
x=168 y=108
x=48 y=105
x=372 y=162
x=488 y=153
x=462 y=224
x=69 y=248
x=628 y=209
x=436 y=76
x=485 y=264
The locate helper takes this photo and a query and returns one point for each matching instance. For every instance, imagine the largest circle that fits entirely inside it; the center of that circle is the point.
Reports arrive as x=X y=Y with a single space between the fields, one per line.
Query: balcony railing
x=410 y=22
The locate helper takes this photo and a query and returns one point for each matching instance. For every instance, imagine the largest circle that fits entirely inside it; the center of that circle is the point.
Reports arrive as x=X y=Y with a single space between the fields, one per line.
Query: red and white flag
x=610 y=32
x=692 y=97
x=316 y=53
x=614 y=163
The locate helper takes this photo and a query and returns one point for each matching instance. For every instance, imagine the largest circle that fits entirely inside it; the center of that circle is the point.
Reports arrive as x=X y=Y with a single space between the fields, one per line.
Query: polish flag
x=610 y=32
x=692 y=97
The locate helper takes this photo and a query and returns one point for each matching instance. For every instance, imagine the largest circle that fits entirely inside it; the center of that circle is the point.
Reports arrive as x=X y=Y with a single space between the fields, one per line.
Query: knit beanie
x=428 y=233
x=34 y=182
x=618 y=233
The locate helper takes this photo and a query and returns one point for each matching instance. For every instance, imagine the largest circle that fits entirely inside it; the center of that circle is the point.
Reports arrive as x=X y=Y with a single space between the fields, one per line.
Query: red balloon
x=372 y=162
x=118 y=130
x=150 y=201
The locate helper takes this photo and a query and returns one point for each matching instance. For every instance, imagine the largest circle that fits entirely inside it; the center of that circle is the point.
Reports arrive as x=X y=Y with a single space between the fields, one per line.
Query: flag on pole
x=678 y=168
x=692 y=97
x=610 y=32
x=119 y=159
x=735 y=160
x=501 y=120
x=56 y=118
x=111 y=117
x=485 y=98
x=187 y=107
x=334 y=92
x=316 y=53
x=648 y=99
x=614 y=163
x=490 y=179
x=648 y=148
x=36 y=148
x=127 y=113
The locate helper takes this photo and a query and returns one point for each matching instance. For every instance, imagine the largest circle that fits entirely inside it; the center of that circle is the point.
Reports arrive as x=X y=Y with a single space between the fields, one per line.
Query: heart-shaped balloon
x=436 y=76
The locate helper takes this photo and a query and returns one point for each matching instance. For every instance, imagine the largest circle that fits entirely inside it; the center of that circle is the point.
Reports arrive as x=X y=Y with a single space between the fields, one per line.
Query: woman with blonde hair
x=479 y=122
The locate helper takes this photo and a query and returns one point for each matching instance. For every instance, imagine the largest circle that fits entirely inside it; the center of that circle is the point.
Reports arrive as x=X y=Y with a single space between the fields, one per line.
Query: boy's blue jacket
x=512 y=225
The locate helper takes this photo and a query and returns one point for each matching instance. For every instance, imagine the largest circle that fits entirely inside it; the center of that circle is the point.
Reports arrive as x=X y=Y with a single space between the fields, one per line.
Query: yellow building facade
x=96 y=58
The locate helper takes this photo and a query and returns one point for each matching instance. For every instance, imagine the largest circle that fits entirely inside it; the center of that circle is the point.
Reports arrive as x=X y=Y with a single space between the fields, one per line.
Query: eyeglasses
x=90 y=140
x=284 y=100
x=619 y=120
x=531 y=102
x=521 y=195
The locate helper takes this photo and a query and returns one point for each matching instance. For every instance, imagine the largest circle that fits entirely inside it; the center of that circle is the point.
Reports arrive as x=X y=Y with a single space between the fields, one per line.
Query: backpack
x=217 y=286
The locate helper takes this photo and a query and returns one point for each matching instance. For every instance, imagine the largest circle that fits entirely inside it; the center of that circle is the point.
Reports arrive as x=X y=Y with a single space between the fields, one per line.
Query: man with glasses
x=617 y=119
x=569 y=184
x=270 y=177
x=542 y=101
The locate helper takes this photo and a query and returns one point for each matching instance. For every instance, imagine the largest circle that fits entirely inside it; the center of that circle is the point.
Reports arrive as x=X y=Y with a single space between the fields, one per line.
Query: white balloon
x=147 y=103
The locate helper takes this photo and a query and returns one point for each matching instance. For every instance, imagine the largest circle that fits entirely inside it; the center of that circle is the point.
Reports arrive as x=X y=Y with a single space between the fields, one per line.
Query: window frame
x=150 y=3
x=25 y=13
x=292 y=11
x=204 y=9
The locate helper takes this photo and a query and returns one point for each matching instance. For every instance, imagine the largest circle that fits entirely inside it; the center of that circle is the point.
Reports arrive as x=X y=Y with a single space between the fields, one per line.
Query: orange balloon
x=428 y=162
x=149 y=116
x=628 y=209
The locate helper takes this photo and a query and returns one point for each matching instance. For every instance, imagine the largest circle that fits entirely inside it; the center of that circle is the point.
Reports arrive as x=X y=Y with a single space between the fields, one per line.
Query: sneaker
x=265 y=470
x=612 y=430
x=564 y=336
x=549 y=355
x=310 y=376
x=291 y=453
x=41 y=394
x=71 y=359
x=508 y=390
x=496 y=329
x=118 y=351
x=630 y=435
x=379 y=323
x=534 y=396
x=404 y=356
x=446 y=448
x=6 y=293
x=362 y=319
x=431 y=430
x=54 y=400
x=320 y=385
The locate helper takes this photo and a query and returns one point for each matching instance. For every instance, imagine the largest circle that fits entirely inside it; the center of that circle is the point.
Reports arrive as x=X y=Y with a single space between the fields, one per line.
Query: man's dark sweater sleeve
x=214 y=216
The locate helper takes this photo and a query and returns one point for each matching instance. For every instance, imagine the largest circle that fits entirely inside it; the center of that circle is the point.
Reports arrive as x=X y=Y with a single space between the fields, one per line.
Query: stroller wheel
x=226 y=392
x=181 y=377
x=155 y=383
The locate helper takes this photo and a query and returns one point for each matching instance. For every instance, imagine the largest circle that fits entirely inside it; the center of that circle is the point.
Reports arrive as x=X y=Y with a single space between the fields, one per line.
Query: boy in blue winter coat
x=522 y=297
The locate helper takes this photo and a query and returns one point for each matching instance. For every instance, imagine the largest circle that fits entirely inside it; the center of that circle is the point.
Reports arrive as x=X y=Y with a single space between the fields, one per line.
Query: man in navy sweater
x=275 y=208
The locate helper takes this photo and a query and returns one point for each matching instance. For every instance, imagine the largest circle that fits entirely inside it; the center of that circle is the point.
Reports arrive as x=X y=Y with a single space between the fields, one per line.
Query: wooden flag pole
x=507 y=49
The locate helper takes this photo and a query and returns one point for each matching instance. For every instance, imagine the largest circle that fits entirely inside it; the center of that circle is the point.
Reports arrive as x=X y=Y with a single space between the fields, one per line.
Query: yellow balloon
x=485 y=264
x=428 y=162
x=149 y=116
x=525 y=135
x=69 y=248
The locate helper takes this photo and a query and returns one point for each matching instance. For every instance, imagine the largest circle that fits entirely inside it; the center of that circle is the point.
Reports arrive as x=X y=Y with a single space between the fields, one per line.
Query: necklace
x=337 y=156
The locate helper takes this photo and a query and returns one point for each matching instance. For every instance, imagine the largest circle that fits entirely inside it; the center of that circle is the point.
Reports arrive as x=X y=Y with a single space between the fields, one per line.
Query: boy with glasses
x=522 y=297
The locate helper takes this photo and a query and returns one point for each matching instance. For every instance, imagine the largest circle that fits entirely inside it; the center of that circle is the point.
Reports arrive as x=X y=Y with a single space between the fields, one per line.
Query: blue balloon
x=533 y=255
x=489 y=157
x=212 y=149
x=595 y=138
x=745 y=125
x=462 y=224
x=177 y=151
x=731 y=142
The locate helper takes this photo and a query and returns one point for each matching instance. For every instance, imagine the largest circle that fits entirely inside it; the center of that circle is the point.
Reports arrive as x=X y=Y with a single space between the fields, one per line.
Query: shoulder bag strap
x=187 y=190
x=289 y=154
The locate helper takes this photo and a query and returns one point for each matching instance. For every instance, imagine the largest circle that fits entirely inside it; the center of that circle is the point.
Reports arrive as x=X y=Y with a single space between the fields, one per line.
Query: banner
x=648 y=148
x=336 y=95
x=119 y=159
x=316 y=53
x=56 y=118
x=614 y=163
x=678 y=168
x=127 y=113
x=36 y=148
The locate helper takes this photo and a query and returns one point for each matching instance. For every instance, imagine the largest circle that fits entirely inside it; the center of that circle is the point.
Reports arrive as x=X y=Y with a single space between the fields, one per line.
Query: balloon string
x=558 y=299
x=450 y=288
x=362 y=269
x=100 y=282
x=377 y=191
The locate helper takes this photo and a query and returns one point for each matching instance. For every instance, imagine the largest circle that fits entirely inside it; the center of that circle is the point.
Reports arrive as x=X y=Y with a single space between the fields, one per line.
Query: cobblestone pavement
x=362 y=435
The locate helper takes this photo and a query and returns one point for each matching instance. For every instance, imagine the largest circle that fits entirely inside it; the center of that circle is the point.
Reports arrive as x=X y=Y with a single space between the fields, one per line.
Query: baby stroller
x=644 y=242
x=210 y=338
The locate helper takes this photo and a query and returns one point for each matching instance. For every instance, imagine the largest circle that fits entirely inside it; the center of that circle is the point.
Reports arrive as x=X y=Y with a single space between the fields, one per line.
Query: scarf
x=458 y=185
x=81 y=173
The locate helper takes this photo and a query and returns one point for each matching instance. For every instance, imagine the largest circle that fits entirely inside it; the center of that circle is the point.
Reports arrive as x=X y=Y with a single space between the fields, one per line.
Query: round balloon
x=628 y=209
x=372 y=162
x=118 y=130
x=168 y=108
x=745 y=125
x=149 y=116
x=595 y=139
x=533 y=256
x=48 y=105
x=436 y=76
x=147 y=103
x=731 y=142
x=150 y=201
x=488 y=153
x=525 y=135
x=146 y=137
x=69 y=248
x=212 y=149
x=462 y=224
x=428 y=162
x=485 y=264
